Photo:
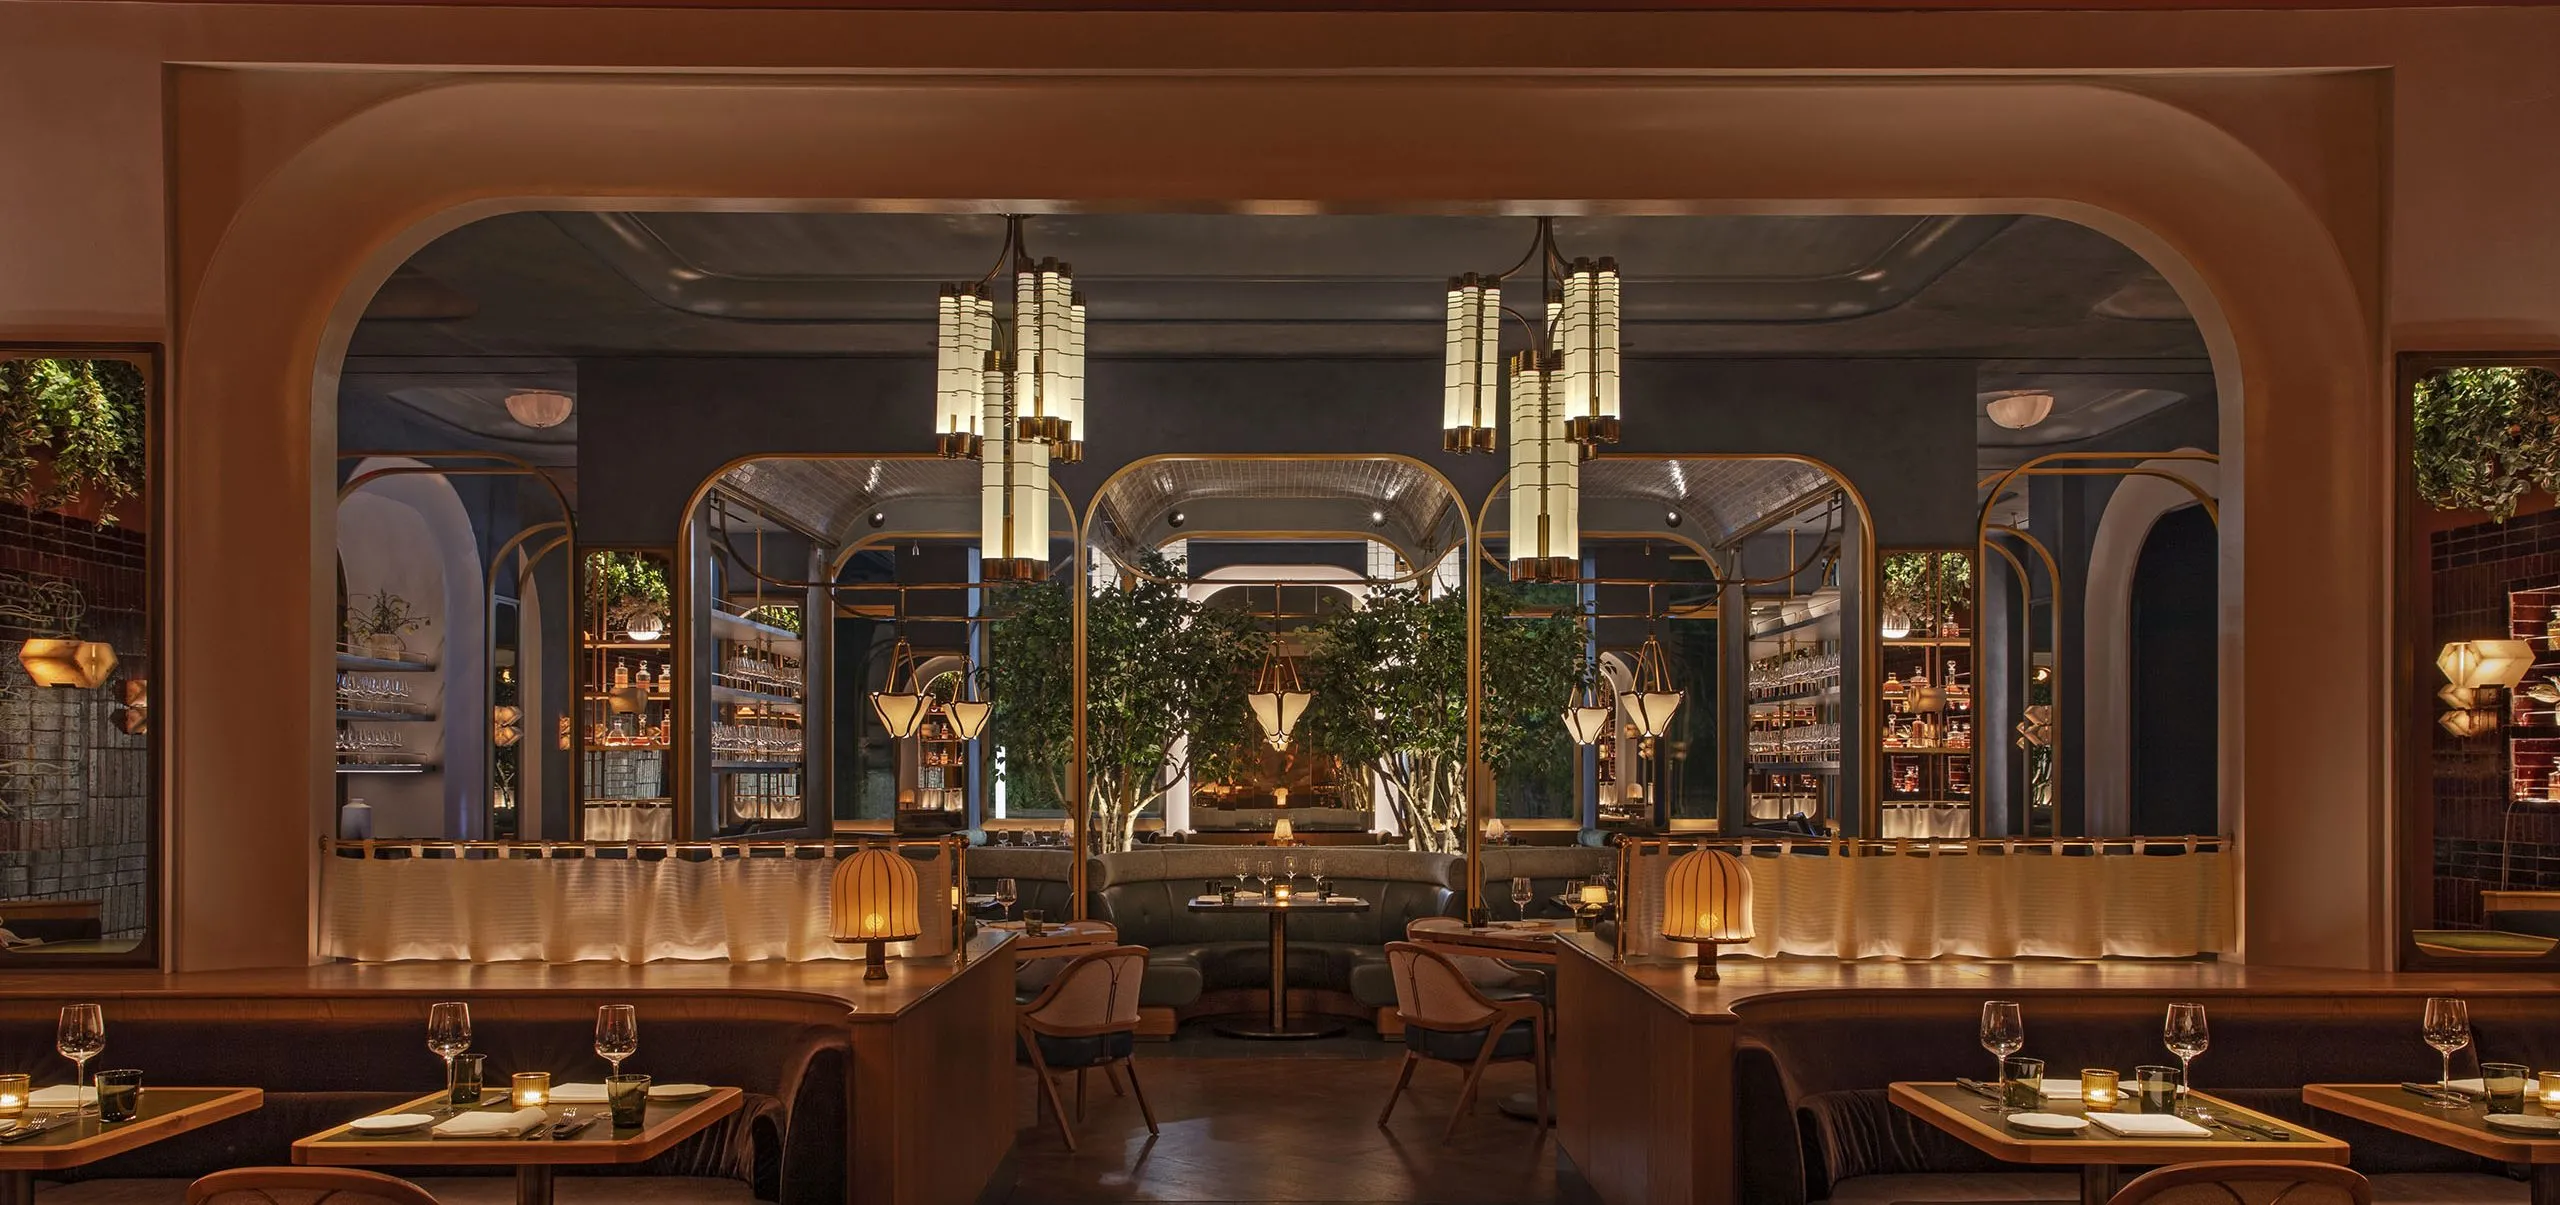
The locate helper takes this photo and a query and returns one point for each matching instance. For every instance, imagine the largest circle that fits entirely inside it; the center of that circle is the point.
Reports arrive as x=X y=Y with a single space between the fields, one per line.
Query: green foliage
x=85 y=417
x=624 y=585
x=777 y=615
x=1158 y=668
x=1926 y=587
x=387 y=614
x=1390 y=685
x=2485 y=436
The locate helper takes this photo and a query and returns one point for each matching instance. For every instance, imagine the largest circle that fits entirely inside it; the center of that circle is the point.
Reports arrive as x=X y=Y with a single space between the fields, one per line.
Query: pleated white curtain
x=581 y=909
x=2016 y=904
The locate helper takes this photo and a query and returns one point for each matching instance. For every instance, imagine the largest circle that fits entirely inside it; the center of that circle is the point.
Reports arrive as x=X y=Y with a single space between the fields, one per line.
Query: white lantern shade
x=968 y=717
x=1471 y=381
x=1277 y=712
x=901 y=714
x=873 y=898
x=1587 y=725
x=1651 y=710
x=1013 y=480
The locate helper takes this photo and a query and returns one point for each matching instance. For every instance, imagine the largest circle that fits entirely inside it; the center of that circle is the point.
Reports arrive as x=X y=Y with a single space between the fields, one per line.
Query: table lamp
x=1282 y=833
x=1594 y=898
x=872 y=900
x=1706 y=900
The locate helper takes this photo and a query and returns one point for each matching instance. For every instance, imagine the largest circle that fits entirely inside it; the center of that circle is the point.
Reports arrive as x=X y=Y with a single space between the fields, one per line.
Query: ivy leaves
x=2485 y=436
x=85 y=418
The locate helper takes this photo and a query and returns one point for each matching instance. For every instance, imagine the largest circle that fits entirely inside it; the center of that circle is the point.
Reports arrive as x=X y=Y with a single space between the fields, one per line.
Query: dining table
x=2403 y=1110
x=59 y=1140
x=1971 y=1115
x=1278 y=1024
x=534 y=1157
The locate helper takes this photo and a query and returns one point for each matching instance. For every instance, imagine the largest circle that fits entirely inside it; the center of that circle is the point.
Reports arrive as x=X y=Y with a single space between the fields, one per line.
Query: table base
x=2546 y=1184
x=17 y=1188
x=533 y=1184
x=1260 y=1028
x=2097 y=1183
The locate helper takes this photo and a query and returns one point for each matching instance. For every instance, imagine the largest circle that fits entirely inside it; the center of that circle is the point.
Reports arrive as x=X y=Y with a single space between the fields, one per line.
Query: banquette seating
x=323 y=1061
x=1810 y=1075
x=1193 y=958
x=1041 y=876
x=1547 y=867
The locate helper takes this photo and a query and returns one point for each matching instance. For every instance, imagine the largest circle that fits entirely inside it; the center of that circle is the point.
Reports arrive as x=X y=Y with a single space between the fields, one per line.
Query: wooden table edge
x=2307 y=1143
x=232 y=1103
x=313 y=1150
x=2500 y=1147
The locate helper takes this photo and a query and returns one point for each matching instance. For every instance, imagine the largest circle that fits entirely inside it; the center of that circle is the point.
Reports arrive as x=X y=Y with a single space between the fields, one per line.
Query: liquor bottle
x=621 y=673
x=642 y=680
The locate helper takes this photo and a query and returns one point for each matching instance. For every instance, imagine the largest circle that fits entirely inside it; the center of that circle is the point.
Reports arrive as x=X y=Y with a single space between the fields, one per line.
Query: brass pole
x=1474 y=777
x=1078 y=585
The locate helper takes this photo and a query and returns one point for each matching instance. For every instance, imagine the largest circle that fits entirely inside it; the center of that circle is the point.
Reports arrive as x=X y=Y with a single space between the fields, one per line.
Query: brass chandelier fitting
x=901 y=712
x=1017 y=384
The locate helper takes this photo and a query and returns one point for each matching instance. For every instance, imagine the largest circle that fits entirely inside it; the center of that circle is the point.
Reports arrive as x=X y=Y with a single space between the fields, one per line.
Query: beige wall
x=2298 y=175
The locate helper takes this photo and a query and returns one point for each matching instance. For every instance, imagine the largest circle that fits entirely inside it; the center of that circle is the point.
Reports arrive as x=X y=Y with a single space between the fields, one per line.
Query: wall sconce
x=68 y=662
x=133 y=711
x=2478 y=676
x=872 y=900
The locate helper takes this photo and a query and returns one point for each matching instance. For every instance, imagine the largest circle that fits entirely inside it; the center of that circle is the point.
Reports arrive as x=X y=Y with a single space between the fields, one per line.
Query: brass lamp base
x=1013 y=569
x=1707 y=962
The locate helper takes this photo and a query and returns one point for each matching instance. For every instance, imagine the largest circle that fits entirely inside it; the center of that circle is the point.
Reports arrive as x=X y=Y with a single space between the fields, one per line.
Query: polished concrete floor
x=1249 y=1123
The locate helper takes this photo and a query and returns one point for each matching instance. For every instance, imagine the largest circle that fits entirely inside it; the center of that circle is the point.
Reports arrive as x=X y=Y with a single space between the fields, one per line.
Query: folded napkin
x=2148 y=1125
x=2061 y=1089
x=491 y=1125
x=2475 y=1086
x=577 y=1094
x=61 y=1096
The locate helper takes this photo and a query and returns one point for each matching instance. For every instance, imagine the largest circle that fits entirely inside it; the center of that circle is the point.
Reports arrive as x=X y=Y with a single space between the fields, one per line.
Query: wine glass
x=80 y=1036
x=1007 y=894
x=2448 y=1029
x=617 y=1033
x=448 y=1034
x=1289 y=868
x=1262 y=875
x=2183 y=1031
x=2004 y=1032
x=1522 y=891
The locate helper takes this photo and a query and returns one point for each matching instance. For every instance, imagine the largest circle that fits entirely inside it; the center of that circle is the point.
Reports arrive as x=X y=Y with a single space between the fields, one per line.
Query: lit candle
x=532 y=1089
x=13 y=1095
x=2549 y=1086
x=1280 y=893
x=2099 y=1088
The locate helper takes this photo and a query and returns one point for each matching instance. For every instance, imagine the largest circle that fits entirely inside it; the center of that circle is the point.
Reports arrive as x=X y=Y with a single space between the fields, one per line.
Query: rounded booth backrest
x=1040 y=875
x=1147 y=893
x=1548 y=867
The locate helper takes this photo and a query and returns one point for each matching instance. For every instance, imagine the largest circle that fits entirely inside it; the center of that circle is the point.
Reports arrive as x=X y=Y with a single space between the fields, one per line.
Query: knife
x=2434 y=1092
x=1978 y=1088
x=571 y=1129
x=27 y=1131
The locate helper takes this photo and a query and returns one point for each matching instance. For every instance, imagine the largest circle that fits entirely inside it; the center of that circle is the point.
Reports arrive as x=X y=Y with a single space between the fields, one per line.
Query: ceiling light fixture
x=1042 y=344
x=1586 y=716
x=1278 y=697
x=540 y=408
x=1546 y=476
x=2020 y=410
x=1581 y=331
x=901 y=712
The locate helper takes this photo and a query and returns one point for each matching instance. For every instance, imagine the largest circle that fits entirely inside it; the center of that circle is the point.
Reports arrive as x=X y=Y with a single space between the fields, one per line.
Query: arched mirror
x=1278 y=648
x=849 y=615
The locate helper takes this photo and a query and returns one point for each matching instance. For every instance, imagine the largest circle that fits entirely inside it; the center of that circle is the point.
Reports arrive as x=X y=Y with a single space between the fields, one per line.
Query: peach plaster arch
x=275 y=265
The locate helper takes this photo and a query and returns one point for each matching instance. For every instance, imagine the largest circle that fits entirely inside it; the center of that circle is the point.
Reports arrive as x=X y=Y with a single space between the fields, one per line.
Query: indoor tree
x=1165 y=684
x=1390 y=685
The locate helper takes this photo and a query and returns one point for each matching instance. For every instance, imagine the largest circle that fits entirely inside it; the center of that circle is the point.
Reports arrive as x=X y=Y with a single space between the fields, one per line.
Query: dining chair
x=1086 y=1018
x=305 y=1186
x=1447 y=1020
x=2251 y=1182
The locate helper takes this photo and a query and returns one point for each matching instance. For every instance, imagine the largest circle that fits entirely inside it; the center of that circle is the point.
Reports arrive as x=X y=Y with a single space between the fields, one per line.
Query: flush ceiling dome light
x=2019 y=411
x=541 y=408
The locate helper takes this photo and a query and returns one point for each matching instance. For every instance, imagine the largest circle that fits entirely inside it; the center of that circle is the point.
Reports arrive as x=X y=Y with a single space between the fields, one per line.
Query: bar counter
x=1649 y=1096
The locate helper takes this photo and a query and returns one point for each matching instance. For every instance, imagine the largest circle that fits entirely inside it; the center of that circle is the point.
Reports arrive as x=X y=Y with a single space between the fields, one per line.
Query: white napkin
x=577 y=1094
x=491 y=1125
x=2060 y=1089
x=61 y=1096
x=2148 y=1125
x=2475 y=1086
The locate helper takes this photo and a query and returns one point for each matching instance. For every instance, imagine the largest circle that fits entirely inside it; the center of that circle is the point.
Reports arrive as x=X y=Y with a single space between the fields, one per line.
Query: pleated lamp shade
x=1706 y=898
x=873 y=900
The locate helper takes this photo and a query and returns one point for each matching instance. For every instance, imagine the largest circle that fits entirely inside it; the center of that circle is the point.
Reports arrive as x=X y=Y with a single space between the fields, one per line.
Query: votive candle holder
x=2100 y=1088
x=532 y=1089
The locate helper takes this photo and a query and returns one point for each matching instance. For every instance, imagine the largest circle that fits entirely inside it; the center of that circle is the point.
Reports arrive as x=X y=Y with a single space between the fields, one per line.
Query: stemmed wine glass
x=1262 y=875
x=2004 y=1033
x=80 y=1036
x=2448 y=1029
x=1289 y=869
x=448 y=1034
x=2184 y=1032
x=1522 y=891
x=617 y=1034
x=1007 y=893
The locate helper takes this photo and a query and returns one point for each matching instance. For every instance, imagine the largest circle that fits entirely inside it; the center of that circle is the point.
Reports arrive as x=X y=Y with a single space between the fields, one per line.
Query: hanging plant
x=82 y=419
x=777 y=615
x=2485 y=436
x=622 y=586
x=1922 y=588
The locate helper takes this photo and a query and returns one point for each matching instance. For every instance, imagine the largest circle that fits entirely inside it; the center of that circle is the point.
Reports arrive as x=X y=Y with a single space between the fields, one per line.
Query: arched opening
x=2171 y=631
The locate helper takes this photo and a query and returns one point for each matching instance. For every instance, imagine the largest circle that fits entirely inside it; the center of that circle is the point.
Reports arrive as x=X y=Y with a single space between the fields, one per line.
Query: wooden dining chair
x=1086 y=1018
x=1447 y=1020
x=305 y=1186
x=2252 y=1182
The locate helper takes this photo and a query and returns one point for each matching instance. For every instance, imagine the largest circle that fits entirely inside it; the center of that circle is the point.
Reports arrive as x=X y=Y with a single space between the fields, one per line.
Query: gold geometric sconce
x=68 y=662
x=2478 y=676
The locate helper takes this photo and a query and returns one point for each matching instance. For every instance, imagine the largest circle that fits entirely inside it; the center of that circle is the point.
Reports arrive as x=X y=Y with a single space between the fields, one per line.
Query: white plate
x=2047 y=1123
x=679 y=1091
x=2526 y=1123
x=390 y=1123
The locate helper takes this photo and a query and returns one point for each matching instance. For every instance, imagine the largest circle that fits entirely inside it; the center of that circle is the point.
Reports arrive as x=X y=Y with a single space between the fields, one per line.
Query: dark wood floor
x=1295 y=1125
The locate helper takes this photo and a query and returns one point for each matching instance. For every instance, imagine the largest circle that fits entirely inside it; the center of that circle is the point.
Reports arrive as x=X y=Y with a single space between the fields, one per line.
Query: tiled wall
x=2473 y=570
x=75 y=791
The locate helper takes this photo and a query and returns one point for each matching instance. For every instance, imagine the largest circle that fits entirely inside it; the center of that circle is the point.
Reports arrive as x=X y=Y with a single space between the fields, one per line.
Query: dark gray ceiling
x=507 y=302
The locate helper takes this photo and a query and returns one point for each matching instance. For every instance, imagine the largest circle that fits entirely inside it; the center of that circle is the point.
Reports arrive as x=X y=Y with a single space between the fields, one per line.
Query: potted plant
x=378 y=624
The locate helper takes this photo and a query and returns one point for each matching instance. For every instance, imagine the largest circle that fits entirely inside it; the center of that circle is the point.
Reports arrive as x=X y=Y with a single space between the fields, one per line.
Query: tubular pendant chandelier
x=1581 y=329
x=1042 y=342
x=1546 y=475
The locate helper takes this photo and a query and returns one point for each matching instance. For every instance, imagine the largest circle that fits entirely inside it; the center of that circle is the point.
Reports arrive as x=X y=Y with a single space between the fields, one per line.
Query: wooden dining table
x=2465 y=1129
x=1978 y=1122
x=1279 y=1025
x=161 y=1114
x=664 y=1124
